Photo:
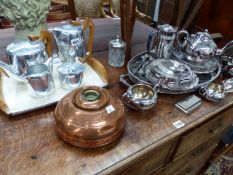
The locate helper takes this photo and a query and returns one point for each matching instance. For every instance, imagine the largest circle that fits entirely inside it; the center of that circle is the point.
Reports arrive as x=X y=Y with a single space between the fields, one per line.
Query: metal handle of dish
x=87 y=23
x=182 y=41
x=128 y=101
x=124 y=81
x=47 y=38
x=151 y=37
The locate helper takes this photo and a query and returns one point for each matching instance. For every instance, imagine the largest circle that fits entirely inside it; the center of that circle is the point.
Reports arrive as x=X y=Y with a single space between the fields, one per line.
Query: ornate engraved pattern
x=25 y=14
x=88 y=8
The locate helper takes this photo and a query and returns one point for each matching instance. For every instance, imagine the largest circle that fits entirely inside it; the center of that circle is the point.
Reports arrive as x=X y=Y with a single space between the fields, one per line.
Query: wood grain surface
x=29 y=144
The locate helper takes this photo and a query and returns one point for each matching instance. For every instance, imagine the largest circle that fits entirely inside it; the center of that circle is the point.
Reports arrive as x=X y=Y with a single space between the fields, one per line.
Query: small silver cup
x=213 y=92
x=70 y=74
x=39 y=80
x=140 y=97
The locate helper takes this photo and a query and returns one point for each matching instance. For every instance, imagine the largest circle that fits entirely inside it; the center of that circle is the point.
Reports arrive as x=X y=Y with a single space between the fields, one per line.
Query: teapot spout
x=11 y=71
x=225 y=48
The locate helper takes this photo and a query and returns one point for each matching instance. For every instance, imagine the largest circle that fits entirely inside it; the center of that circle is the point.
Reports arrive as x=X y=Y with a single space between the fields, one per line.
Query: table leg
x=127 y=23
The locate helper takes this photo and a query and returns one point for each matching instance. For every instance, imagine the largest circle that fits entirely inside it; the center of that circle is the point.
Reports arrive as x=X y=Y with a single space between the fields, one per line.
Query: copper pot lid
x=90 y=117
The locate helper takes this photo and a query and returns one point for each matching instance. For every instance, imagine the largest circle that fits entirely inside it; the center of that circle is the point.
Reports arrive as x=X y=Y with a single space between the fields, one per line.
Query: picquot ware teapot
x=22 y=55
x=200 y=45
x=70 y=40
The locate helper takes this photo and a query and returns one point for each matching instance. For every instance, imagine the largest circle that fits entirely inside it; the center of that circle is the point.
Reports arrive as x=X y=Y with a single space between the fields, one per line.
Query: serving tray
x=15 y=99
x=139 y=62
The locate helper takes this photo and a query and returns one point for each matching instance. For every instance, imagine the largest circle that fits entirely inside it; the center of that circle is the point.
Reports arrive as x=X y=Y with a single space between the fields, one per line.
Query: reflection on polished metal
x=163 y=41
x=40 y=80
x=228 y=85
x=70 y=74
x=200 y=45
x=90 y=117
x=213 y=92
x=140 y=97
x=70 y=40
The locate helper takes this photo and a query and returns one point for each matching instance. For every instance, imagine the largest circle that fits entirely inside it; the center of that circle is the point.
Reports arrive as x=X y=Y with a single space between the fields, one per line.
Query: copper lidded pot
x=90 y=117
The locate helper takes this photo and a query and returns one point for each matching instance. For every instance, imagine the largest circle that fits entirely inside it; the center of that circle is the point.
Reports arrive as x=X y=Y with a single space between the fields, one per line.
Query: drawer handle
x=218 y=125
x=188 y=170
x=199 y=151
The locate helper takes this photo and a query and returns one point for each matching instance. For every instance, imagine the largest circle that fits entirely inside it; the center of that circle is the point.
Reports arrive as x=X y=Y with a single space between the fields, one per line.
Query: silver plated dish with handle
x=171 y=74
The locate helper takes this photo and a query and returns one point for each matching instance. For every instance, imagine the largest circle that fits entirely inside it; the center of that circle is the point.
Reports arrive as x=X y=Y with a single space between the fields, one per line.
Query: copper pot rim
x=77 y=98
x=91 y=143
x=60 y=112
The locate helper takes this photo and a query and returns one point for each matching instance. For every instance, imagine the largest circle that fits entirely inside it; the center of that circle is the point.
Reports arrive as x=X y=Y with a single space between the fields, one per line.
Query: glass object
x=116 y=52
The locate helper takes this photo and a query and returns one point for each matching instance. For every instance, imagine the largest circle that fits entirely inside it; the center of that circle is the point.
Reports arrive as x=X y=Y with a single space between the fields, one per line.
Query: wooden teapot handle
x=87 y=23
x=47 y=38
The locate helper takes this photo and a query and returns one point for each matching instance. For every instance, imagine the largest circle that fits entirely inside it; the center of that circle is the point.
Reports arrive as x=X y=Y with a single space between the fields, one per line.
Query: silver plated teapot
x=200 y=45
x=70 y=40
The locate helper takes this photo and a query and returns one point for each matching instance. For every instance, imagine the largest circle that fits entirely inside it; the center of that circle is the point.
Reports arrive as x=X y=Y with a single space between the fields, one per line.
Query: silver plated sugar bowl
x=213 y=92
x=140 y=97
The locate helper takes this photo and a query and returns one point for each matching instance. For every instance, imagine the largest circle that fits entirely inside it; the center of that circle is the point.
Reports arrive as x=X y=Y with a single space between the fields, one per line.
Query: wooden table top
x=29 y=144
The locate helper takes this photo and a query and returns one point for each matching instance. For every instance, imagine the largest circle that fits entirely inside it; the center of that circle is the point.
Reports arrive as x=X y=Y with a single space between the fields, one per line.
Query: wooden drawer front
x=195 y=166
x=197 y=152
x=151 y=161
x=195 y=137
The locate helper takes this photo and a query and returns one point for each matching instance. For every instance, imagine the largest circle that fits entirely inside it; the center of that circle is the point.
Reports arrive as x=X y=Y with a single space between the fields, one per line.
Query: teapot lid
x=167 y=28
x=66 y=28
x=117 y=43
x=25 y=48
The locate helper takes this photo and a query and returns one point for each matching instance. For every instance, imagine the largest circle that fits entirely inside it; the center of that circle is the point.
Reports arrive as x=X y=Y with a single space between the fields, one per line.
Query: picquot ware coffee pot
x=70 y=40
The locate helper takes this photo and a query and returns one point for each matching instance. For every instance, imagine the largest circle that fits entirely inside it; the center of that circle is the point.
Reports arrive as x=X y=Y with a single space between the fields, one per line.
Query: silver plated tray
x=136 y=72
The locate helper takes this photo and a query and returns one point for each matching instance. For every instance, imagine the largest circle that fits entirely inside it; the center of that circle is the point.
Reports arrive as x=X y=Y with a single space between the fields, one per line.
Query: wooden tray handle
x=98 y=68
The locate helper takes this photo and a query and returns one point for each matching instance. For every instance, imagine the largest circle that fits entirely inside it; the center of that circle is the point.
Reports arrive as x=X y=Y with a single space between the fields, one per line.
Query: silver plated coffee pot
x=70 y=40
x=163 y=38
